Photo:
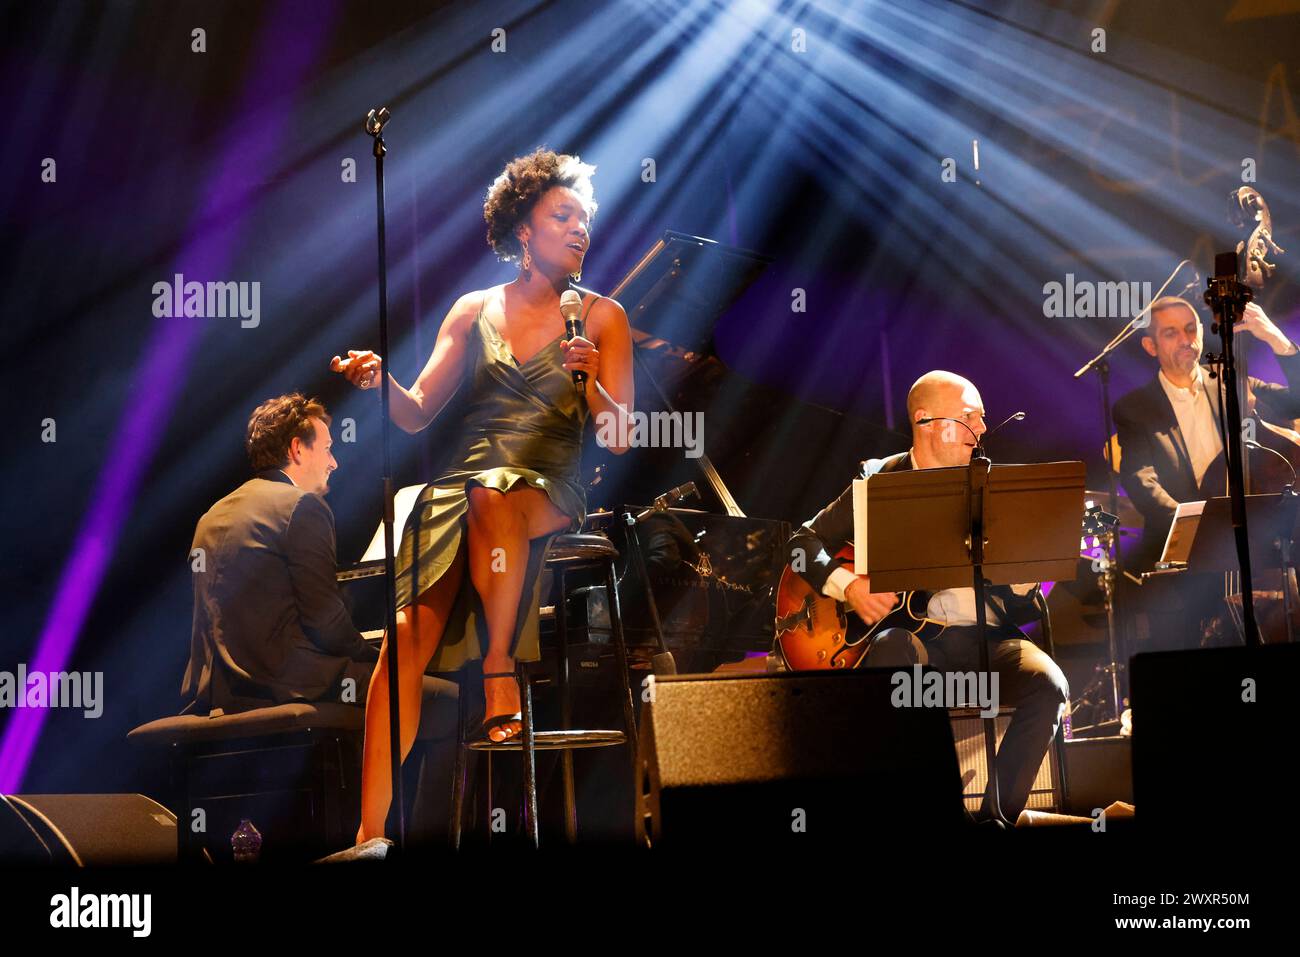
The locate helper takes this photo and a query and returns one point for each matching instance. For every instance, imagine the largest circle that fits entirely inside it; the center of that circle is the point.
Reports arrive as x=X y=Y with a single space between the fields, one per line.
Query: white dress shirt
x=1196 y=420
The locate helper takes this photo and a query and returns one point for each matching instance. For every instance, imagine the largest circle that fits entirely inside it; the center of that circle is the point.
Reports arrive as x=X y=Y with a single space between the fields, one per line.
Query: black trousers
x=1028 y=680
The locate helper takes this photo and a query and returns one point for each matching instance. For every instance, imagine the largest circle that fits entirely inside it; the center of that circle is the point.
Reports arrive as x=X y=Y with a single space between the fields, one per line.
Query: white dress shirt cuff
x=839 y=580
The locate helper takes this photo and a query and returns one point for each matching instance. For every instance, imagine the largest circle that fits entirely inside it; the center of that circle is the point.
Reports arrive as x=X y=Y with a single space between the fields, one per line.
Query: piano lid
x=676 y=292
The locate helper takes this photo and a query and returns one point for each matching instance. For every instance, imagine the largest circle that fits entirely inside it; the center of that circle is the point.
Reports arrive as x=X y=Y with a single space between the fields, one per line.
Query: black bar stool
x=566 y=553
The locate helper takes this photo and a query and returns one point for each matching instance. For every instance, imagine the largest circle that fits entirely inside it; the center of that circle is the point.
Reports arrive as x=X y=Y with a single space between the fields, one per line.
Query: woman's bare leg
x=500 y=526
x=419 y=630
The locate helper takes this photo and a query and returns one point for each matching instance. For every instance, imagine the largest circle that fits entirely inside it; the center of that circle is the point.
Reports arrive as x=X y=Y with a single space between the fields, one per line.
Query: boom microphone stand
x=1114 y=571
x=663 y=662
x=977 y=482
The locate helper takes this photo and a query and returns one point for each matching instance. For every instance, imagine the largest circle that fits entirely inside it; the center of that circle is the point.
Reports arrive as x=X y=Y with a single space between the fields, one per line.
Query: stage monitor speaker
x=85 y=830
x=1098 y=772
x=968 y=733
x=814 y=756
x=1213 y=743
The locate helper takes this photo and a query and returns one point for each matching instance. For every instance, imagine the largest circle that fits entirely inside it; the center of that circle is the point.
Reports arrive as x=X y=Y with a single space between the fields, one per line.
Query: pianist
x=270 y=625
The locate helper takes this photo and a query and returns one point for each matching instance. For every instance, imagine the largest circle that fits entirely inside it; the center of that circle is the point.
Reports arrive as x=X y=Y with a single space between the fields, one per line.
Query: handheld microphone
x=571 y=309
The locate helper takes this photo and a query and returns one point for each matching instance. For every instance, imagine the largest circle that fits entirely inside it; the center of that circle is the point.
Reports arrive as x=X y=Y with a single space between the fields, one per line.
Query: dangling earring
x=576 y=276
x=527 y=263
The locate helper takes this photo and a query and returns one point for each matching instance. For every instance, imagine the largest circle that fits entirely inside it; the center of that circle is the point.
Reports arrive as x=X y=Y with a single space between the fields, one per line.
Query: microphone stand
x=977 y=476
x=1290 y=507
x=374 y=126
x=663 y=662
x=1227 y=296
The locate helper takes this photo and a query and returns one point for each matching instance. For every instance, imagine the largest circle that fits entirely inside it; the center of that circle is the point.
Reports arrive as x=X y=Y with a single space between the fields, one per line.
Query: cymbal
x=1129 y=516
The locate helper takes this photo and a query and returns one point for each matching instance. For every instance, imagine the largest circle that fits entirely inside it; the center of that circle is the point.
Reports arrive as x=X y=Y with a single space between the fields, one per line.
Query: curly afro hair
x=512 y=195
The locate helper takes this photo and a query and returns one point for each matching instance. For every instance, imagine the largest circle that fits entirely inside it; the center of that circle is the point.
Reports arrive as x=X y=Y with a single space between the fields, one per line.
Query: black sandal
x=499 y=720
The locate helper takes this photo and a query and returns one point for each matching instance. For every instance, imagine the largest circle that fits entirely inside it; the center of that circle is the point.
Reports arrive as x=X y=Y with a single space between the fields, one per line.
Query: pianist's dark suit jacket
x=1155 y=468
x=269 y=623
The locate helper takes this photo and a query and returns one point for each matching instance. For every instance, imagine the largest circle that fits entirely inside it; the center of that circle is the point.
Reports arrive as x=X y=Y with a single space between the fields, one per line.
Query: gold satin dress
x=524 y=424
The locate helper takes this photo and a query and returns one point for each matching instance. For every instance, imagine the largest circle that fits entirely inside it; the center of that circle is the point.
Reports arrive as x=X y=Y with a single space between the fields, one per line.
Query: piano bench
x=285 y=767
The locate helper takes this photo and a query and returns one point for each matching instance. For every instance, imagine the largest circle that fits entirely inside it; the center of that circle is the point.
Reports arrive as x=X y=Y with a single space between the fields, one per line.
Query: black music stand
x=1214 y=543
x=981 y=525
x=1214 y=547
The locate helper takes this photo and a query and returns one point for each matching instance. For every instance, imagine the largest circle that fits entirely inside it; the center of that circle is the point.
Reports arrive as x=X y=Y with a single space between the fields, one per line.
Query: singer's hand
x=1256 y=321
x=362 y=369
x=581 y=355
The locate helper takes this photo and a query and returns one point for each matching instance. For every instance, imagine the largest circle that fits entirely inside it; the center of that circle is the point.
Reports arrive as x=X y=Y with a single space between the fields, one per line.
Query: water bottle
x=1065 y=721
x=246 y=843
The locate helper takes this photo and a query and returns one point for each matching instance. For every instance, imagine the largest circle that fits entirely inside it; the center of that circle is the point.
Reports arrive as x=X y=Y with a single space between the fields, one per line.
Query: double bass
x=1272 y=458
x=1264 y=473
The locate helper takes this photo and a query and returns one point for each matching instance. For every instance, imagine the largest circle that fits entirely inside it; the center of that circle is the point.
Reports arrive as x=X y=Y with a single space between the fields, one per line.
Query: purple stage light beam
x=289 y=45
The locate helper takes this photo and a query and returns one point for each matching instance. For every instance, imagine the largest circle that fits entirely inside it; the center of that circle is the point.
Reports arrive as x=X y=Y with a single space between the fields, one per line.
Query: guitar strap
x=1001 y=598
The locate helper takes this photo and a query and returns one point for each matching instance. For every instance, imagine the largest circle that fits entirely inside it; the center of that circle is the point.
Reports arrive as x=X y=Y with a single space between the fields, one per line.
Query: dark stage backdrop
x=223 y=142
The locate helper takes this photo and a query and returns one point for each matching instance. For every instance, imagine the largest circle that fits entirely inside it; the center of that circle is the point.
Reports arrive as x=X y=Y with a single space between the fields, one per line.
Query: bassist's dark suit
x=1154 y=466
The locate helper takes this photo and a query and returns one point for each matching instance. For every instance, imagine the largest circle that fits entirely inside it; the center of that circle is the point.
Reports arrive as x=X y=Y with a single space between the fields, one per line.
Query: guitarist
x=1028 y=679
